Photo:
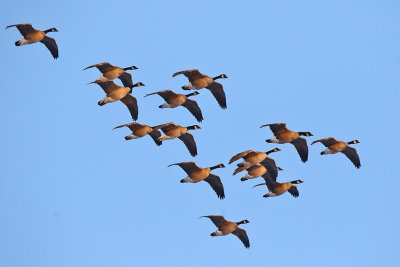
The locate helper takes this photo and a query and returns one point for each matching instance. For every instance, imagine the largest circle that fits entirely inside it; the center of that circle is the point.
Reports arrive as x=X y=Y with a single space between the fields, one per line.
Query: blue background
x=73 y=192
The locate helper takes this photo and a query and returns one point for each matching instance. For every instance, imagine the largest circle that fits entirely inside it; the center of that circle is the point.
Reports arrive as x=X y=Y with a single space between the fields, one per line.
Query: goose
x=283 y=135
x=172 y=131
x=31 y=35
x=198 y=81
x=277 y=189
x=140 y=130
x=226 y=227
x=251 y=157
x=197 y=174
x=111 y=72
x=334 y=146
x=115 y=92
x=173 y=100
x=253 y=171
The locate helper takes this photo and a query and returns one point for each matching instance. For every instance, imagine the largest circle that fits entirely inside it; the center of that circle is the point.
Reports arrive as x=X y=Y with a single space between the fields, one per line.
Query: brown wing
x=126 y=79
x=218 y=220
x=239 y=156
x=301 y=146
x=326 y=141
x=190 y=74
x=102 y=67
x=164 y=127
x=51 y=44
x=131 y=103
x=188 y=167
x=218 y=92
x=133 y=126
x=215 y=182
x=24 y=29
x=276 y=127
x=240 y=169
x=155 y=135
x=351 y=153
x=270 y=183
x=192 y=106
x=107 y=86
x=293 y=191
x=270 y=165
x=166 y=94
x=242 y=235
x=189 y=142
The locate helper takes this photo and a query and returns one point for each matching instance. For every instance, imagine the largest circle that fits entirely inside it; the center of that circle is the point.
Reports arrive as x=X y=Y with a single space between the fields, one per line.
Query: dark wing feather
x=188 y=167
x=351 y=153
x=192 y=106
x=190 y=74
x=166 y=94
x=242 y=235
x=276 y=127
x=51 y=44
x=270 y=165
x=270 y=183
x=301 y=146
x=155 y=135
x=293 y=191
x=24 y=29
x=239 y=156
x=218 y=220
x=218 y=92
x=102 y=67
x=215 y=182
x=326 y=141
x=189 y=142
x=126 y=79
x=131 y=103
x=107 y=86
x=164 y=126
x=133 y=126
x=240 y=169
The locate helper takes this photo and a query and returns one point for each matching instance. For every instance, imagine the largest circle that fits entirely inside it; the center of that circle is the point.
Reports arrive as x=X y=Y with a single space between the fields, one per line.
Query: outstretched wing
x=215 y=182
x=131 y=103
x=188 y=167
x=102 y=67
x=126 y=79
x=242 y=235
x=155 y=135
x=192 y=106
x=51 y=44
x=189 y=142
x=24 y=29
x=132 y=126
x=218 y=92
x=240 y=169
x=190 y=74
x=166 y=94
x=270 y=165
x=276 y=127
x=218 y=220
x=301 y=146
x=164 y=126
x=239 y=156
x=351 y=153
x=293 y=191
x=326 y=141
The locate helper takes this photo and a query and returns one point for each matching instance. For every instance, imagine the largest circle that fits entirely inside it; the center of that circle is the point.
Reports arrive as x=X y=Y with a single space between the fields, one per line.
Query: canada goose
x=115 y=92
x=283 y=135
x=277 y=189
x=31 y=35
x=197 y=174
x=172 y=131
x=111 y=72
x=334 y=146
x=226 y=227
x=253 y=171
x=198 y=81
x=173 y=100
x=140 y=130
x=251 y=157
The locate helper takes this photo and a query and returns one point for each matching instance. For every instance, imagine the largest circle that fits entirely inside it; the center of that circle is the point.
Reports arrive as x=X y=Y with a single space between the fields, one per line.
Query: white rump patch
x=274 y=140
x=327 y=151
x=166 y=105
x=187 y=180
x=164 y=137
x=190 y=86
x=218 y=233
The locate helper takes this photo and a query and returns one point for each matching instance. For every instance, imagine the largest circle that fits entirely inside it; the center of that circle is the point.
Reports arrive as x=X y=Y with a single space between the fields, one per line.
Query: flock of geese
x=255 y=163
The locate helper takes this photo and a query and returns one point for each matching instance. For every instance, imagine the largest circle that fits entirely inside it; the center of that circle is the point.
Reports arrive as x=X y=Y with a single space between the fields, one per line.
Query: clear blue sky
x=73 y=192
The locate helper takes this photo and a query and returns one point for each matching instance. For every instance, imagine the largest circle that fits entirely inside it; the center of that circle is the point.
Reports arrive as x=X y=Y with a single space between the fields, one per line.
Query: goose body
x=111 y=72
x=140 y=130
x=255 y=171
x=277 y=189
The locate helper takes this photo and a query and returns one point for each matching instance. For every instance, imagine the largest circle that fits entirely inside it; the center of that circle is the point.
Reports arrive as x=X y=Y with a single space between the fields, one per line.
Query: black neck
x=190 y=127
x=217 y=77
x=128 y=68
x=302 y=133
x=241 y=222
x=190 y=94
x=270 y=151
x=46 y=31
x=215 y=167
